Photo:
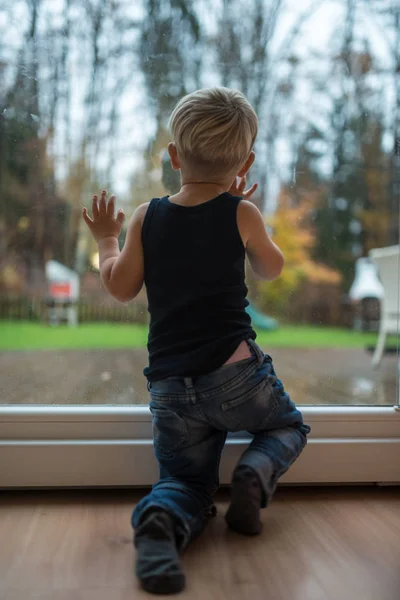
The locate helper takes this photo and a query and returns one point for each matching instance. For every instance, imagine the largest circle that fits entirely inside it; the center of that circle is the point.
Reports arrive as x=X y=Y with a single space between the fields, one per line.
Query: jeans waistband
x=188 y=382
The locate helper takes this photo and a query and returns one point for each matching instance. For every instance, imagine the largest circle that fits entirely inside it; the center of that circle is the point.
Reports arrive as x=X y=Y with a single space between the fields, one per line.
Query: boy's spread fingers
x=120 y=216
x=111 y=207
x=95 y=208
x=103 y=203
x=86 y=217
x=250 y=191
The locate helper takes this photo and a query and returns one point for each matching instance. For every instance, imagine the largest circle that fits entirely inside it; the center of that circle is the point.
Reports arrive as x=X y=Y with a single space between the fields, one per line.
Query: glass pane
x=86 y=89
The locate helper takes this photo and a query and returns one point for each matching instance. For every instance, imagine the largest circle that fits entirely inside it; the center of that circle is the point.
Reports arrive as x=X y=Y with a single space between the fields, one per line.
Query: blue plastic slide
x=261 y=321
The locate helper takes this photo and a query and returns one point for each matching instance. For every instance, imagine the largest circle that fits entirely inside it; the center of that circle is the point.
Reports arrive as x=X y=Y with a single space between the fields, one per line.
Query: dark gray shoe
x=157 y=564
x=243 y=515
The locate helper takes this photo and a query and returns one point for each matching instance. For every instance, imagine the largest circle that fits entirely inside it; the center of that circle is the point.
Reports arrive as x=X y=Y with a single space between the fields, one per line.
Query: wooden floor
x=317 y=544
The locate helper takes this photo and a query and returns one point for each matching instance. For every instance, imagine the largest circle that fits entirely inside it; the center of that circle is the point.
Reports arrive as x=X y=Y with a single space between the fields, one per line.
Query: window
x=86 y=91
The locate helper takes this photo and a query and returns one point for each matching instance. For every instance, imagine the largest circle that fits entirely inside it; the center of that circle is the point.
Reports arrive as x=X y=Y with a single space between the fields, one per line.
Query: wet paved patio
x=311 y=376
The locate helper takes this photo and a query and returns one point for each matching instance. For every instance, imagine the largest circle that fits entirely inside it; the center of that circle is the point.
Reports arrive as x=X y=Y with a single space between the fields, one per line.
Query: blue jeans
x=191 y=419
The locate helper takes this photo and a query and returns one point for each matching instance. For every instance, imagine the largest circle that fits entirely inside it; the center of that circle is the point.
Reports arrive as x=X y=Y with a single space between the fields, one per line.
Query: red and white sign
x=60 y=290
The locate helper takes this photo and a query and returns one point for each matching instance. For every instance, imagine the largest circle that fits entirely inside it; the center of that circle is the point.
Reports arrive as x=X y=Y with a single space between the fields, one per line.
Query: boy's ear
x=247 y=164
x=173 y=154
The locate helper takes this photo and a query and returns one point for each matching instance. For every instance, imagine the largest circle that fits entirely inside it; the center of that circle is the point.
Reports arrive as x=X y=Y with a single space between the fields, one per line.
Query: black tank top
x=195 y=279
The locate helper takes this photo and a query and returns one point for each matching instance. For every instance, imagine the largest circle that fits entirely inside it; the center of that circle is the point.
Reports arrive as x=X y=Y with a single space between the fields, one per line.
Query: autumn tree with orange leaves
x=293 y=232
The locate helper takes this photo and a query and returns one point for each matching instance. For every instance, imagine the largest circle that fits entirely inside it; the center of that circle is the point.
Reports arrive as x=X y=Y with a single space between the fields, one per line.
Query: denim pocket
x=169 y=431
x=229 y=404
x=252 y=410
x=163 y=398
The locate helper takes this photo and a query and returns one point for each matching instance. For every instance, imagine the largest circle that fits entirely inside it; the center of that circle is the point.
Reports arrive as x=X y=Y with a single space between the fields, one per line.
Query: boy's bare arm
x=121 y=272
x=265 y=257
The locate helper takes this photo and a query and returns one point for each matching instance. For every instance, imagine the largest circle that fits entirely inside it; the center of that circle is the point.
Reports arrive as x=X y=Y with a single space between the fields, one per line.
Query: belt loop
x=188 y=381
x=257 y=351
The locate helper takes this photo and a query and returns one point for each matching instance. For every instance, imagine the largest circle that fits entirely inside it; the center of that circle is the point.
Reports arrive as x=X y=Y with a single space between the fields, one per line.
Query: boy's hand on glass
x=237 y=188
x=104 y=223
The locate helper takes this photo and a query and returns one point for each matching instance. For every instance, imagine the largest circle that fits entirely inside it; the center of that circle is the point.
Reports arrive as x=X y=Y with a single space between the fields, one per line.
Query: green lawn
x=20 y=335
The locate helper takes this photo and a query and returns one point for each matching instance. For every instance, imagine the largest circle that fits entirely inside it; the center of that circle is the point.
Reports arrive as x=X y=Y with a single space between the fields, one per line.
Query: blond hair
x=214 y=128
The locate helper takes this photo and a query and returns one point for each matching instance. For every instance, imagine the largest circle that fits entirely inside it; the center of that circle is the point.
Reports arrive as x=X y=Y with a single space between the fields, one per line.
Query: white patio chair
x=366 y=286
x=387 y=260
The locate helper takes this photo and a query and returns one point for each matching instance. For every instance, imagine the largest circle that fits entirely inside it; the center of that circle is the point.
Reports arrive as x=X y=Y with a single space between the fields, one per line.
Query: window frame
x=110 y=446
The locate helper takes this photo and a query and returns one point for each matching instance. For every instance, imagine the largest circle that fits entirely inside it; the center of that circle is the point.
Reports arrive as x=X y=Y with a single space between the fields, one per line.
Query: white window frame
x=109 y=446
